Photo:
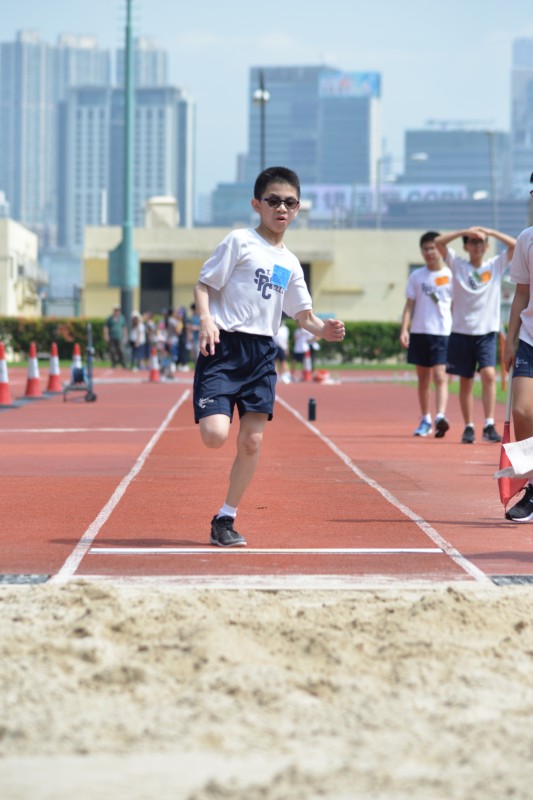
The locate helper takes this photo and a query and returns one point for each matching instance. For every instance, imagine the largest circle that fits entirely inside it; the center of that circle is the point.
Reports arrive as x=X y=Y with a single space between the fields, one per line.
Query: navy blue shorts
x=241 y=373
x=523 y=361
x=467 y=353
x=427 y=349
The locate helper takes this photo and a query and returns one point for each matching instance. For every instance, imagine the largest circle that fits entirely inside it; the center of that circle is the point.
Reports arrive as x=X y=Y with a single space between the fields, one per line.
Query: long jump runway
x=124 y=489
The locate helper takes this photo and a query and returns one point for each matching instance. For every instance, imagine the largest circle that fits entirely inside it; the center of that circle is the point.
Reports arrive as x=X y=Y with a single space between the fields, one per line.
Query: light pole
x=494 y=199
x=261 y=97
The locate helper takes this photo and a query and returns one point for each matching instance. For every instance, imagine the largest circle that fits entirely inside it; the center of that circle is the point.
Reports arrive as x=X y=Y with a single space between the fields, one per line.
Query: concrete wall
x=355 y=274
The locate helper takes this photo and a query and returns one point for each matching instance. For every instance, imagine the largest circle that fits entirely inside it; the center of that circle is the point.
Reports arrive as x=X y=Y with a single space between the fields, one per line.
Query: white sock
x=489 y=421
x=227 y=511
x=438 y=416
x=427 y=418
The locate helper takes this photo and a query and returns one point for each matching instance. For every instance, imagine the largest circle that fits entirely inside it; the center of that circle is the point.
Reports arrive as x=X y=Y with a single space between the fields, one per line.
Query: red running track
x=123 y=488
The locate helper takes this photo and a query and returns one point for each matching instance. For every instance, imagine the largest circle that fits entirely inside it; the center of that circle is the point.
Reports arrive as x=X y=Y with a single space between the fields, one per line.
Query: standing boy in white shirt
x=475 y=321
x=242 y=290
x=426 y=325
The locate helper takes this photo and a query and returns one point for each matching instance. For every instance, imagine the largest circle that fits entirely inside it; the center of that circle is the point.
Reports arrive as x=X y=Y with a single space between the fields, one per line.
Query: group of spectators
x=174 y=336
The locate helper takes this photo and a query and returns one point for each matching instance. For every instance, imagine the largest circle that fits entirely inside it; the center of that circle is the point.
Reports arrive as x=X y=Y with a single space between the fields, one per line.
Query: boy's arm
x=406 y=321
x=332 y=330
x=520 y=302
x=508 y=241
x=209 y=334
x=444 y=239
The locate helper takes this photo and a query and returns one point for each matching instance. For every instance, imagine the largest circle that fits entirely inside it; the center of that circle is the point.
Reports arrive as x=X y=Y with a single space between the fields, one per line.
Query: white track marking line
x=251 y=551
x=75 y=430
x=428 y=529
x=73 y=561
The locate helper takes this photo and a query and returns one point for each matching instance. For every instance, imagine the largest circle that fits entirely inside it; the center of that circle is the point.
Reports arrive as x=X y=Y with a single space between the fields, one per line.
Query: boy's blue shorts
x=241 y=373
x=467 y=353
x=427 y=349
x=523 y=360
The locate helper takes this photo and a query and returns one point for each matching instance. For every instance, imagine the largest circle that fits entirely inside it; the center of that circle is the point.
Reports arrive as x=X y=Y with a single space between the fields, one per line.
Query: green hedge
x=20 y=332
x=365 y=341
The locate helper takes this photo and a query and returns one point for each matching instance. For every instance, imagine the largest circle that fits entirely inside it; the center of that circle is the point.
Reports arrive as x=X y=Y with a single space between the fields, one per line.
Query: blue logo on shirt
x=277 y=282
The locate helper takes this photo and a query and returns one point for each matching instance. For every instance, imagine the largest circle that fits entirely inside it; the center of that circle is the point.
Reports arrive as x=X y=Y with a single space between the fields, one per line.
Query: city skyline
x=434 y=66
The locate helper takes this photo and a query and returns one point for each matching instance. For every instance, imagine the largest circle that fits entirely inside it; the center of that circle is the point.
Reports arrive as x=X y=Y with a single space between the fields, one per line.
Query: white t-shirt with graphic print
x=251 y=282
x=476 y=293
x=432 y=292
x=522 y=272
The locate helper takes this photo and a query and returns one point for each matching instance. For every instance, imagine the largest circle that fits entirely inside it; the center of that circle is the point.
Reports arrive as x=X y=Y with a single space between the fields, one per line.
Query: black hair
x=275 y=174
x=430 y=236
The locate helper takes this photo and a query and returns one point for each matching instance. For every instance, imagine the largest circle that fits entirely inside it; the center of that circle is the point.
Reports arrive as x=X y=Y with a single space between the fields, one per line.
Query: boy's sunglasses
x=274 y=201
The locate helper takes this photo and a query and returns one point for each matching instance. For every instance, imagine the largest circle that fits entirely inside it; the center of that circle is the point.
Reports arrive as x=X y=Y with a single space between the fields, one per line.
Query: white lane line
x=73 y=561
x=76 y=430
x=186 y=551
x=428 y=529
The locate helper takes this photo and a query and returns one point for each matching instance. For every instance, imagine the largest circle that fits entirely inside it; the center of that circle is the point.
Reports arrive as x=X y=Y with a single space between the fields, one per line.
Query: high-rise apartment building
x=522 y=114
x=92 y=162
x=459 y=155
x=150 y=64
x=320 y=121
x=34 y=77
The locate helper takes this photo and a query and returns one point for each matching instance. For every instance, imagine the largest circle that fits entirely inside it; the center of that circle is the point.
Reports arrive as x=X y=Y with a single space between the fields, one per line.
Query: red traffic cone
x=33 y=384
x=54 y=375
x=154 y=367
x=307 y=365
x=5 y=396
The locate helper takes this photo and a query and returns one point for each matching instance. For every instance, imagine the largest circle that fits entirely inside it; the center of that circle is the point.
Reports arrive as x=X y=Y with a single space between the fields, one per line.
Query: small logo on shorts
x=204 y=401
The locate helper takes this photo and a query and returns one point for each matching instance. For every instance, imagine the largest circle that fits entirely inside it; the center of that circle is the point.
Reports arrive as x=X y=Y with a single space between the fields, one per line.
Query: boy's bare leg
x=488 y=391
x=466 y=399
x=249 y=442
x=523 y=408
x=424 y=382
x=440 y=379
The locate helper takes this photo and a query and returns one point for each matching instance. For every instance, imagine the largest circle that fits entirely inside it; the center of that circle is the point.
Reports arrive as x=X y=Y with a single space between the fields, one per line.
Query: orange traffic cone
x=307 y=365
x=54 y=375
x=5 y=396
x=154 y=367
x=33 y=384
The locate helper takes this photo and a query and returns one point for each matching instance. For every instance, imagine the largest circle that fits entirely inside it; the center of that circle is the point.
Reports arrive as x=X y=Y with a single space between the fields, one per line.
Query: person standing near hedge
x=116 y=335
x=426 y=326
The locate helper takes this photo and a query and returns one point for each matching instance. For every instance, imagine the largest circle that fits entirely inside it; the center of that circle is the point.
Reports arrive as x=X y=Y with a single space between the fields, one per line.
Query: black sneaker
x=490 y=434
x=523 y=510
x=469 y=437
x=223 y=533
x=441 y=426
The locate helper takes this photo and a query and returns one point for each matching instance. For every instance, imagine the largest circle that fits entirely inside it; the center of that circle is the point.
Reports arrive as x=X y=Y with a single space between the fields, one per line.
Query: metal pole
x=126 y=293
x=378 y=193
x=493 y=195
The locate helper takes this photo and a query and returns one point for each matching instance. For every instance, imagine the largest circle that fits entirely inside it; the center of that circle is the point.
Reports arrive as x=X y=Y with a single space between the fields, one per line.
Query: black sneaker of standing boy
x=469 y=436
x=523 y=510
x=490 y=434
x=224 y=535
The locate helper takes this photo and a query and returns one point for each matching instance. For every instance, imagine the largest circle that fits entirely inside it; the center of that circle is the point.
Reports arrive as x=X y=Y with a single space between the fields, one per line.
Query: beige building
x=20 y=274
x=353 y=274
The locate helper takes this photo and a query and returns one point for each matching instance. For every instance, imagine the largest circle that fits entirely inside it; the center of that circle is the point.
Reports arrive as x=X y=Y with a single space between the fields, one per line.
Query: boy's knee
x=251 y=443
x=213 y=434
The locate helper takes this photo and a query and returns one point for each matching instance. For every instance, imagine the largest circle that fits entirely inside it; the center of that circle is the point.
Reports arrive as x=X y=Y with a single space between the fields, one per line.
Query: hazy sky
x=439 y=59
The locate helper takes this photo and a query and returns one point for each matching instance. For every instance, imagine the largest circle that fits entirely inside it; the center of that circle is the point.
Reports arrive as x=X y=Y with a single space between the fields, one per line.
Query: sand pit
x=142 y=692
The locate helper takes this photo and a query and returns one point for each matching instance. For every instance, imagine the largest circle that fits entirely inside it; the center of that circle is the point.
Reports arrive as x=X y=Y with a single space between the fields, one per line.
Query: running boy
x=521 y=358
x=426 y=325
x=242 y=290
x=475 y=321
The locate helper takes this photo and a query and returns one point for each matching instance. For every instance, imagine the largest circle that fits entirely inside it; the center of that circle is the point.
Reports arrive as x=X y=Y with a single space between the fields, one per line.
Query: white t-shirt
x=302 y=340
x=476 y=294
x=432 y=292
x=522 y=272
x=251 y=282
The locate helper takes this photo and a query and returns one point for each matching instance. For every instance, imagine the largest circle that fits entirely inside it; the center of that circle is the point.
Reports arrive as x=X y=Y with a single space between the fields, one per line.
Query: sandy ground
x=131 y=692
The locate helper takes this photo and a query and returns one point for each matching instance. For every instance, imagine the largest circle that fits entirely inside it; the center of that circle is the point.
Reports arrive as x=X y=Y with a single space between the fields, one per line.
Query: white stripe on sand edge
x=428 y=529
x=73 y=561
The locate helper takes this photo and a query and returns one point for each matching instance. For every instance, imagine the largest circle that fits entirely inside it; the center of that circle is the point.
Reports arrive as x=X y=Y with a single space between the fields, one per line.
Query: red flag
x=508 y=486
